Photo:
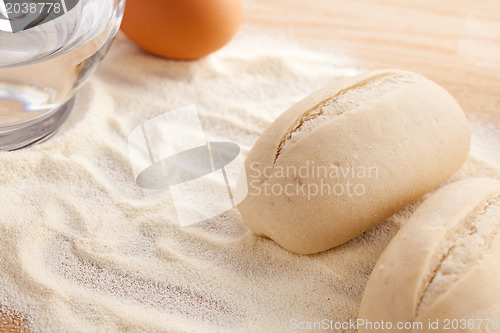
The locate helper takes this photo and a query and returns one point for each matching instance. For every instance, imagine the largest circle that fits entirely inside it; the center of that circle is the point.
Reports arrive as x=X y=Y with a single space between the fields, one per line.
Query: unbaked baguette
x=385 y=139
x=443 y=265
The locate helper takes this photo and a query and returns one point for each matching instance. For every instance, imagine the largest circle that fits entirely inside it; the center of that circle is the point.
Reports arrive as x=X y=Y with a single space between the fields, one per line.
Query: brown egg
x=182 y=29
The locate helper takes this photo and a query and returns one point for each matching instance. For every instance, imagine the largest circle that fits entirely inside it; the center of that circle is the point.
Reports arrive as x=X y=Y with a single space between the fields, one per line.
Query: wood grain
x=454 y=42
x=12 y=324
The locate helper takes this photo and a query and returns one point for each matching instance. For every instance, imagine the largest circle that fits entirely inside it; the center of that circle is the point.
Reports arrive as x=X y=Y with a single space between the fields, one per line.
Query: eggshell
x=182 y=29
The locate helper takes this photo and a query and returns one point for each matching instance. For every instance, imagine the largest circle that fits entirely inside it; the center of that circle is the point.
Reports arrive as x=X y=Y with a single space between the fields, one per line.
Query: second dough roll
x=442 y=267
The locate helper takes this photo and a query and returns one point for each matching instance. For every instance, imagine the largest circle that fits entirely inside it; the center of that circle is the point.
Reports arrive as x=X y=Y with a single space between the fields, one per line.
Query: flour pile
x=83 y=249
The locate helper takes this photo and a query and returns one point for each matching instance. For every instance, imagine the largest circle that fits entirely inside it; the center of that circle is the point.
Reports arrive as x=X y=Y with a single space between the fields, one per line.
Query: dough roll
x=441 y=268
x=349 y=156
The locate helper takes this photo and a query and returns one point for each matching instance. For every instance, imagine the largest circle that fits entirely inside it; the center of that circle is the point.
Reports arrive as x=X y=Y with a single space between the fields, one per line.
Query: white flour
x=83 y=249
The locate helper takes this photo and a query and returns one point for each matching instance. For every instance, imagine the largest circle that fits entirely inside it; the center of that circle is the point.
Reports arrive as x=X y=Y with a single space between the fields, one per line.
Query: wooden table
x=454 y=42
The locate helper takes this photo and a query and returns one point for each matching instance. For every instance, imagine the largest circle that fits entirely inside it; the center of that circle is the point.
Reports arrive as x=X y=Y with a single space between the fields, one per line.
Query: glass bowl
x=46 y=55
